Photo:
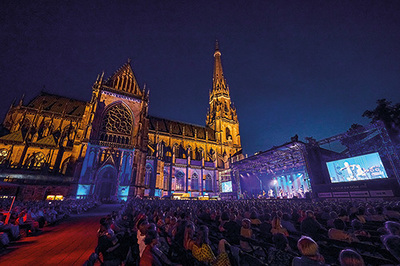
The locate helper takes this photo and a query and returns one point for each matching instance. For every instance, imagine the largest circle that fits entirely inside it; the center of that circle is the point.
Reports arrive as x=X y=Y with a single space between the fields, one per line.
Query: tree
x=389 y=114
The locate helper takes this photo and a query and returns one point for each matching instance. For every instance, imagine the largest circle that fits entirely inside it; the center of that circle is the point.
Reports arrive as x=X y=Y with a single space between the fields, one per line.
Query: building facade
x=110 y=147
x=188 y=159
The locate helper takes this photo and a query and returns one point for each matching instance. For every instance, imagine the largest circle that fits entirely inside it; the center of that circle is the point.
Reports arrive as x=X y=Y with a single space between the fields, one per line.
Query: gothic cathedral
x=110 y=148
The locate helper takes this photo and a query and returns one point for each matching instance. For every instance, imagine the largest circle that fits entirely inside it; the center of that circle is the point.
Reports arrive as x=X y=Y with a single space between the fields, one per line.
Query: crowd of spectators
x=27 y=218
x=250 y=232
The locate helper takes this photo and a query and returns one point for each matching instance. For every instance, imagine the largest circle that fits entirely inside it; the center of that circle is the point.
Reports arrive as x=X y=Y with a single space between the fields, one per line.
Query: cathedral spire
x=219 y=81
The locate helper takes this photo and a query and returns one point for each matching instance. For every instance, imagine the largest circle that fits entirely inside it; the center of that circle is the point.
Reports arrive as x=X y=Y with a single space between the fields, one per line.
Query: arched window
x=208 y=183
x=36 y=161
x=180 y=181
x=194 y=185
x=149 y=171
x=228 y=134
x=166 y=180
x=64 y=166
x=117 y=121
x=211 y=156
x=43 y=129
x=3 y=156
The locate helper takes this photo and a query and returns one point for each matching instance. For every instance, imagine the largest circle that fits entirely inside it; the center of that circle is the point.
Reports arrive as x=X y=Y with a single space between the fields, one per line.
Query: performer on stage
x=270 y=193
x=301 y=191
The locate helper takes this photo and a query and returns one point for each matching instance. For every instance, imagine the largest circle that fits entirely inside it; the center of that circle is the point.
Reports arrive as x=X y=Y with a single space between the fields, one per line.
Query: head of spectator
x=349 y=257
x=143 y=225
x=246 y=223
x=151 y=238
x=392 y=244
x=392 y=227
x=310 y=214
x=339 y=224
x=232 y=217
x=286 y=217
x=280 y=241
x=356 y=225
x=202 y=236
x=333 y=215
x=309 y=248
x=224 y=217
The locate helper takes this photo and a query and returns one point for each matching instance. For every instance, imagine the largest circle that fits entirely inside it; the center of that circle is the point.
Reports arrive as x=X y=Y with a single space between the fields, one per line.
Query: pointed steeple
x=219 y=81
x=221 y=114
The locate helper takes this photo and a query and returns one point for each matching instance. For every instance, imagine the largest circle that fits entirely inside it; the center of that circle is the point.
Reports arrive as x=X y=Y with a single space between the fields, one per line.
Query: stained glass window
x=180 y=181
x=195 y=182
x=36 y=161
x=208 y=183
x=118 y=120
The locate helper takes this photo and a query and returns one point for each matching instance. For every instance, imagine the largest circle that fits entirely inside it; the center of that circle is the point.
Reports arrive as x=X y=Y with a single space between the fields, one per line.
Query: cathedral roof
x=124 y=80
x=14 y=137
x=58 y=104
x=47 y=141
x=180 y=128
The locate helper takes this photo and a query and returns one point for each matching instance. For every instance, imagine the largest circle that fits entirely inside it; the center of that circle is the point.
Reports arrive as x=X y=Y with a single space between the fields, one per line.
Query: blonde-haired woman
x=309 y=251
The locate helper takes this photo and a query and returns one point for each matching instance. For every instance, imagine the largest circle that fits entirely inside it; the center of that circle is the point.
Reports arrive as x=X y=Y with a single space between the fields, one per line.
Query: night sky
x=294 y=67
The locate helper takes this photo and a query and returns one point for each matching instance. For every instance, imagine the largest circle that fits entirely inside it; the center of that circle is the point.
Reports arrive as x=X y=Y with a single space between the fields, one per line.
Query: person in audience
x=142 y=227
x=232 y=230
x=277 y=227
x=202 y=251
x=107 y=244
x=332 y=216
x=287 y=224
x=280 y=253
x=392 y=213
x=254 y=218
x=344 y=216
x=149 y=256
x=311 y=227
x=357 y=229
x=188 y=236
x=339 y=233
x=246 y=232
x=360 y=215
x=392 y=244
x=349 y=257
x=310 y=253
x=393 y=228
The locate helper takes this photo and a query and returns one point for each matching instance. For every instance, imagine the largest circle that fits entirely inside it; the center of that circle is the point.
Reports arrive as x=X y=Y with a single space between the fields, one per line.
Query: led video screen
x=364 y=167
x=227 y=186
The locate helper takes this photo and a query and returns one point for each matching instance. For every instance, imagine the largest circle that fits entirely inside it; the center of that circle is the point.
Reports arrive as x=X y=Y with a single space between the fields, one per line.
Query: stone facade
x=111 y=148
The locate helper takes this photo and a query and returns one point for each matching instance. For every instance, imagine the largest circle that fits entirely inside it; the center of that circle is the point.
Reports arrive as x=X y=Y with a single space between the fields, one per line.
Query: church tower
x=221 y=116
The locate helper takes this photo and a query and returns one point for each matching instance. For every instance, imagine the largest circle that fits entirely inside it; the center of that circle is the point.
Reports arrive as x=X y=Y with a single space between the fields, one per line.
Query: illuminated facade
x=186 y=158
x=110 y=148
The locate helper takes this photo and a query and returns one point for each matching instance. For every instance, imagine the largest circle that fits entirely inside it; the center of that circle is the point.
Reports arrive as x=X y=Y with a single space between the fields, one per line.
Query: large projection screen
x=364 y=167
x=226 y=186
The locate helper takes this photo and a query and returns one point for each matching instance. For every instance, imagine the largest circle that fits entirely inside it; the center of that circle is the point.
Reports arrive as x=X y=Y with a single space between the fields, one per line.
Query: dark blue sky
x=294 y=67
